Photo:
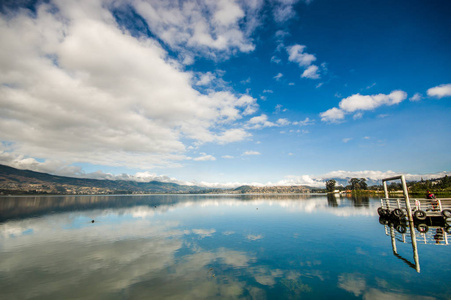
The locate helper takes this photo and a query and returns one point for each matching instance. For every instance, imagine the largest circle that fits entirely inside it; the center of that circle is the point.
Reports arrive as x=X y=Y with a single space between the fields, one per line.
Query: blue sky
x=223 y=93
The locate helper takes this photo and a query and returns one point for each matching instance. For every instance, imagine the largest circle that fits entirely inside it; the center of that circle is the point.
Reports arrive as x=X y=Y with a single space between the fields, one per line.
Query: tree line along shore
x=441 y=187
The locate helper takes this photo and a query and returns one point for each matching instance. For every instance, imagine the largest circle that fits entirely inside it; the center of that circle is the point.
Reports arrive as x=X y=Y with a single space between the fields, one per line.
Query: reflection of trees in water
x=357 y=201
x=332 y=200
x=361 y=201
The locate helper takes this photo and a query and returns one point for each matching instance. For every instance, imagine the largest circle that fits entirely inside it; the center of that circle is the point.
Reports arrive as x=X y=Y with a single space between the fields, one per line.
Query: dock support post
x=411 y=225
x=406 y=196
x=385 y=189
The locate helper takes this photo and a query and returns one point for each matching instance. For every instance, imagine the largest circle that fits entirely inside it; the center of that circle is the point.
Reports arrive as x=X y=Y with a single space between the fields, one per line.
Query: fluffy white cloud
x=76 y=87
x=207 y=27
x=296 y=54
x=443 y=90
x=359 y=102
x=311 y=72
x=259 y=122
x=232 y=135
x=305 y=60
x=332 y=115
x=369 y=102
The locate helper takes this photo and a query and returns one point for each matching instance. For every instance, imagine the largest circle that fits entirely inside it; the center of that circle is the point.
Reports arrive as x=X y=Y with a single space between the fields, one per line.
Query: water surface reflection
x=197 y=247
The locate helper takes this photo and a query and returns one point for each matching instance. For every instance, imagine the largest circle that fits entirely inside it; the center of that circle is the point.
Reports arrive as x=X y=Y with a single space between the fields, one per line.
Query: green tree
x=330 y=185
x=363 y=184
x=355 y=184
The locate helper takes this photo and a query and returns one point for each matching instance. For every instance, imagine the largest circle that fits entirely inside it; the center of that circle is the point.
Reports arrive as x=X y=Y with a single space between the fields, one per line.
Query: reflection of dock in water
x=436 y=233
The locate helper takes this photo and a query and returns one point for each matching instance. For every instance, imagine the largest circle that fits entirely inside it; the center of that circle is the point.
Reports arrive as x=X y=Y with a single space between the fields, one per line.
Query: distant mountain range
x=15 y=181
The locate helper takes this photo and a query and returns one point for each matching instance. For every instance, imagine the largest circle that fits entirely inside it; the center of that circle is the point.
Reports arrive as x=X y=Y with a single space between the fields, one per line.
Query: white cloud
x=204 y=157
x=232 y=135
x=332 y=115
x=307 y=121
x=205 y=79
x=278 y=76
x=311 y=72
x=443 y=90
x=369 y=102
x=259 y=122
x=207 y=27
x=297 y=55
x=359 y=102
x=299 y=180
x=345 y=140
x=305 y=60
x=283 y=122
x=416 y=97
x=76 y=87
x=227 y=156
x=283 y=10
x=251 y=153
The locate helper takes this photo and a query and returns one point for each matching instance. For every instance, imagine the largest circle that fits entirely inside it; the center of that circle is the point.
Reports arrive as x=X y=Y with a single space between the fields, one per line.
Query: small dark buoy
x=92 y=221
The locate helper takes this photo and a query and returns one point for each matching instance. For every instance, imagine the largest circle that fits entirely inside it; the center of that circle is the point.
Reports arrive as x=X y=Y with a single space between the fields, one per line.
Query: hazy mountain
x=15 y=181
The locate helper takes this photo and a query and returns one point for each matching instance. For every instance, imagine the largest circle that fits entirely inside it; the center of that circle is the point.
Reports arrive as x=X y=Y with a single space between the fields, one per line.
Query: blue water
x=213 y=246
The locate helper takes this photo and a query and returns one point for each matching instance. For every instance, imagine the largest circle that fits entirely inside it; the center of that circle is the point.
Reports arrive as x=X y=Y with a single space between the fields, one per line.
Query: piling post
x=385 y=189
x=413 y=237
x=406 y=196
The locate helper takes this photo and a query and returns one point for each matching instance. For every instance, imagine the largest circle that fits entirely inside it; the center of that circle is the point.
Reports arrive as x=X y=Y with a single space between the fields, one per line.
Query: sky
x=222 y=93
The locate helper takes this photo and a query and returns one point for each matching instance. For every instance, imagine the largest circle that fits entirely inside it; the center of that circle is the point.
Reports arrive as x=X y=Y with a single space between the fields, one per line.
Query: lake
x=215 y=246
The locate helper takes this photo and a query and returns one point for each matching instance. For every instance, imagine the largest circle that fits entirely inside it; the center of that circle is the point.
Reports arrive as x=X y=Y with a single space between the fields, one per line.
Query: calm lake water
x=214 y=246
